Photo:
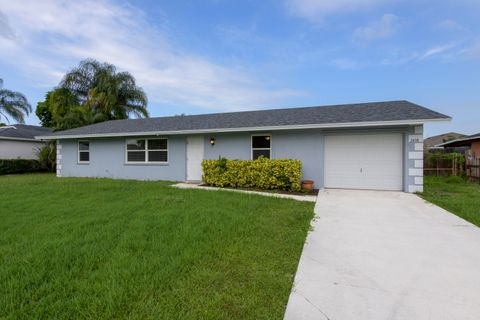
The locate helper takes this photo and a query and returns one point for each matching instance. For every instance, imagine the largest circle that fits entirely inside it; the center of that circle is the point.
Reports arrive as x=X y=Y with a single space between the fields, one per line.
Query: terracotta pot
x=307 y=184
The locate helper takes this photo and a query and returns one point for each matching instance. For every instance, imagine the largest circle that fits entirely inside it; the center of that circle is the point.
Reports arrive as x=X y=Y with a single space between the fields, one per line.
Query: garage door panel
x=364 y=162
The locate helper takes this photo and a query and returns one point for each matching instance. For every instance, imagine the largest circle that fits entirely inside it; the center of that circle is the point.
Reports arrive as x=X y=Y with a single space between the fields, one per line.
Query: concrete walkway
x=386 y=255
x=268 y=194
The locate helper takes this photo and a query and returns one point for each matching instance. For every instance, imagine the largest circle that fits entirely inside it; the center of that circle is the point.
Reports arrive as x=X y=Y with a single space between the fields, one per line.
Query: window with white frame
x=261 y=146
x=83 y=151
x=147 y=150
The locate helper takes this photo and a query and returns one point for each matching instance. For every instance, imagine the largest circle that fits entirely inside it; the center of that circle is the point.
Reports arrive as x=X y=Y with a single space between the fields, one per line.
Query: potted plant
x=307 y=184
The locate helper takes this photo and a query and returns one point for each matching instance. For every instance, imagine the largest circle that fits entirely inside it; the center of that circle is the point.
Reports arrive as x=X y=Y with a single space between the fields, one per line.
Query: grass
x=455 y=195
x=98 y=248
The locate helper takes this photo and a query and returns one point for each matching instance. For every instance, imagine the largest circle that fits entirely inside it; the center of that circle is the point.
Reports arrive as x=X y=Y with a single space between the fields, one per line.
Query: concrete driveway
x=386 y=255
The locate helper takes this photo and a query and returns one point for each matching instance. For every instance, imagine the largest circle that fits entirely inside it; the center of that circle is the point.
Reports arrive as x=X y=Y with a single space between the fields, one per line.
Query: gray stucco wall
x=13 y=149
x=304 y=145
x=107 y=160
x=107 y=156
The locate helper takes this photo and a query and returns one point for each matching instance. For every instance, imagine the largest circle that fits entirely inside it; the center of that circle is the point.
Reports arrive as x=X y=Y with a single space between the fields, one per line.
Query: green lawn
x=100 y=248
x=455 y=195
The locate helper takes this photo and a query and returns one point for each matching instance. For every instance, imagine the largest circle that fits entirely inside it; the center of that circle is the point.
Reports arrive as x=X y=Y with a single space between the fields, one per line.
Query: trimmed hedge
x=11 y=166
x=262 y=173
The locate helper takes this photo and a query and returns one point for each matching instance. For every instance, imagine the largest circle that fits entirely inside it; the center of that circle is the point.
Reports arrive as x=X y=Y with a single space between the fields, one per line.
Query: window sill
x=83 y=163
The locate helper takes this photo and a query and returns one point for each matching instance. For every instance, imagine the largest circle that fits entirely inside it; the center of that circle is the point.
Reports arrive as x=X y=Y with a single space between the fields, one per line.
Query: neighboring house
x=360 y=146
x=432 y=143
x=472 y=142
x=18 y=141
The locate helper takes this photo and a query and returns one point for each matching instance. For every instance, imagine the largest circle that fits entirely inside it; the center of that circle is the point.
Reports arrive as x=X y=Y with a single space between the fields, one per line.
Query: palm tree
x=13 y=104
x=107 y=93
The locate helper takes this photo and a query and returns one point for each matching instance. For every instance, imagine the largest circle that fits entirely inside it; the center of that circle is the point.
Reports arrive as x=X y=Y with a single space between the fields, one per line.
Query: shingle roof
x=324 y=115
x=432 y=142
x=22 y=132
x=465 y=141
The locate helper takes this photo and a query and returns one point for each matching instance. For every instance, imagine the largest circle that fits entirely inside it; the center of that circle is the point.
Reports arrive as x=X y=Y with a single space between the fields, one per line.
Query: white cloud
x=314 y=10
x=52 y=36
x=435 y=51
x=383 y=28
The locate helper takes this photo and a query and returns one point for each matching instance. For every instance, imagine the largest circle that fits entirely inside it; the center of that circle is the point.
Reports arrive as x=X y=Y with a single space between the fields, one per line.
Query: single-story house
x=472 y=142
x=432 y=143
x=18 y=141
x=360 y=146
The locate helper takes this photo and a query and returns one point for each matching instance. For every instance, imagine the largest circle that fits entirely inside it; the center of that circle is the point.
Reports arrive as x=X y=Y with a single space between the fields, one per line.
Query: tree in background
x=13 y=104
x=62 y=110
x=92 y=92
x=107 y=93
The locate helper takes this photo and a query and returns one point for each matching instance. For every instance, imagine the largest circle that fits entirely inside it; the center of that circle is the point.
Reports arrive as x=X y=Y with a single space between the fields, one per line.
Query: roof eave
x=265 y=128
x=454 y=143
x=20 y=139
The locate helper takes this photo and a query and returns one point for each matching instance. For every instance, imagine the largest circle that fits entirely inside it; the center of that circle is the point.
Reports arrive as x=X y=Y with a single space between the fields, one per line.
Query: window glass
x=136 y=156
x=135 y=144
x=83 y=145
x=83 y=151
x=257 y=153
x=261 y=146
x=157 y=144
x=84 y=156
x=147 y=150
x=157 y=156
x=261 y=142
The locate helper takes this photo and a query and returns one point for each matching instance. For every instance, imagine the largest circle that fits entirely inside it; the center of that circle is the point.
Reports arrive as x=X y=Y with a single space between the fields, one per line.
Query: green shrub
x=11 y=166
x=262 y=173
x=47 y=156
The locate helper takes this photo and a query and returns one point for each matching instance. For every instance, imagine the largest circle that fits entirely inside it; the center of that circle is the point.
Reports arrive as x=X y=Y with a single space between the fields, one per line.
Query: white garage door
x=364 y=162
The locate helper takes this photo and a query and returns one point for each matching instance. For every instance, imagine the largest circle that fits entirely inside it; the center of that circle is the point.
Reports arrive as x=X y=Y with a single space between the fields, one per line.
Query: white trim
x=260 y=135
x=146 y=150
x=78 y=152
x=268 y=128
x=20 y=139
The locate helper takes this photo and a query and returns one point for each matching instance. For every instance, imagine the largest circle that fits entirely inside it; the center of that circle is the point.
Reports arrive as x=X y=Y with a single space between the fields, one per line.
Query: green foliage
x=90 y=93
x=47 y=156
x=12 y=166
x=262 y=173
x=431 y=159
x=13 y=104
x=61 y=110
x=107 y=93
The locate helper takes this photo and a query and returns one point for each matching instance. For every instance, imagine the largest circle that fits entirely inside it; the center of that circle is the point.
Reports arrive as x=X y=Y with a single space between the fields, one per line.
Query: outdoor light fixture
x=212 y=141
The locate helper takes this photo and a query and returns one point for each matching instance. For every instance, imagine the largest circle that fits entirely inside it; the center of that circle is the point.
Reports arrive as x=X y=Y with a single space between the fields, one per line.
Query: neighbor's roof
x=348 y=115
x=434 y=141
x=22 y=132
x=461 y=141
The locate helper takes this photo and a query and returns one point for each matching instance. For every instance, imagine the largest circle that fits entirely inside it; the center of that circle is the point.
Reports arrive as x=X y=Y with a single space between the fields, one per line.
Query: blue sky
x=218 y=55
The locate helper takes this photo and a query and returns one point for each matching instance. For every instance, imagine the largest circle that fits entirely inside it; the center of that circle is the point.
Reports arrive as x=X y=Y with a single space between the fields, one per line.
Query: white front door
x=195 y=147
x=364 y=161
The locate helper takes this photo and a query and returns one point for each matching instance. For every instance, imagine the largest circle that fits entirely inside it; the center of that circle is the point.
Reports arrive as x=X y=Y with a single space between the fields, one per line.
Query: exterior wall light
x=212 y=141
